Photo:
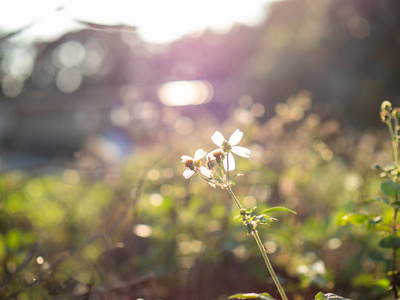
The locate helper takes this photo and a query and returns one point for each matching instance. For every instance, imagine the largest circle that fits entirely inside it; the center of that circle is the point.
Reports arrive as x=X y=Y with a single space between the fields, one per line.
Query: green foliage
x=391 y=241
x=385 y=219
x=322 y=296
x=278 y=208
x=263 y=296
x=356 y=219
x=97 y=228
x=389 y=188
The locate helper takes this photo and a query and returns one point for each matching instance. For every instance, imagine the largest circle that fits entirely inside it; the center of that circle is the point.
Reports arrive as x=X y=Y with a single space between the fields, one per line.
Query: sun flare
x=180 y=93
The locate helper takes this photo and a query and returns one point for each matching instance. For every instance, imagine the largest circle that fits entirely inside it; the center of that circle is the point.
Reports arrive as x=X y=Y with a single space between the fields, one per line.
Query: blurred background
x=98 y=101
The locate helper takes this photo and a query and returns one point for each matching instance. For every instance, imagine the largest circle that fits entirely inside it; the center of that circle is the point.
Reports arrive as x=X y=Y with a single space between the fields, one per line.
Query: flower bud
x=211 y=163
x=396 y=112
x=386 y=105
x=385 y=116
x=219 y=156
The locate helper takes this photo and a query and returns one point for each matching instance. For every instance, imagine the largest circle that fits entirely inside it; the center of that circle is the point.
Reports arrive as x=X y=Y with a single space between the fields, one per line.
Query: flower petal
x=231 y=162
x=200 y=153
x=186 y=157
x=235 y=137
x=218 y=138
x=206 y=172
x=188 y=173
x=241 y=151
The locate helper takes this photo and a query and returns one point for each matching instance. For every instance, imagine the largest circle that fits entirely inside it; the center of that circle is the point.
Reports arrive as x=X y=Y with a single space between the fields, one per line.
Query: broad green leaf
x=388 y=188
x=356 y=219
x=384 y=200
x=278 y=208
x=263 y=296
x=395 y=204
x=322 y=296
x=391 y=241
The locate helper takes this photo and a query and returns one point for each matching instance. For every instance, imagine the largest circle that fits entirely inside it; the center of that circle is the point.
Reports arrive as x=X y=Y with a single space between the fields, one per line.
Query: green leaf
x=356 y=219
x=396 y=204
x=322 y=296
x=391 y=241
x=388 y=188
x=263 y=218
x=278 y=208
x=263 y=296
x=376 y=220
x=376 y=224
x=384 y=200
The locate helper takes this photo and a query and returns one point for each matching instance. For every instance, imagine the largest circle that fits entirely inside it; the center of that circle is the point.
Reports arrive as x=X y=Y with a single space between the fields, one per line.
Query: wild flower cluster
x=222 y=156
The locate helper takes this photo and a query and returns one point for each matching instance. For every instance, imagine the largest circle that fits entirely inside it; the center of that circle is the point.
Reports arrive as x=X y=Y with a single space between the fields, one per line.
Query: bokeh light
x=68 y=79
x=180 y=93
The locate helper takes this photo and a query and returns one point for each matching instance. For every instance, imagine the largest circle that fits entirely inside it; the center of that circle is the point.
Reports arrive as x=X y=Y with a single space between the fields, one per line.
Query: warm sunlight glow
x=180 y=93
x=157 y=21
x=164 y=21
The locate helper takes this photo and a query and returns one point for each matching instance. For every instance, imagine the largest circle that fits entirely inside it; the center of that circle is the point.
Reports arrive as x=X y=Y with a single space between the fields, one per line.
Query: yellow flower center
x=226 y=146
x=197 y=163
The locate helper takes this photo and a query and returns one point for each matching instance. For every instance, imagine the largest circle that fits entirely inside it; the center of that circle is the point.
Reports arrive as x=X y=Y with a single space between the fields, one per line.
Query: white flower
x=194 y=164
x=230 y=146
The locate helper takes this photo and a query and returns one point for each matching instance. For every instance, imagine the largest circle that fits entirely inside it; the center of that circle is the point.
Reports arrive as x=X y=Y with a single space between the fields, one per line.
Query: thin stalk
x=262 y=250
x=268 y=264
x=395 y=146
x=257 y=238
x=233 y=196
x=394 y=253
x=395 y=142
x=228 y=184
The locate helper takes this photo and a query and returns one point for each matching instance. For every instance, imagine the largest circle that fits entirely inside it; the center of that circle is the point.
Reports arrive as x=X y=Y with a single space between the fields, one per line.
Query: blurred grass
x=138 y=222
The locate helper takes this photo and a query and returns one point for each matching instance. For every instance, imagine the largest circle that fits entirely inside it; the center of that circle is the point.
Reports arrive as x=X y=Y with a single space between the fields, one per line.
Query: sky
x=156 y=21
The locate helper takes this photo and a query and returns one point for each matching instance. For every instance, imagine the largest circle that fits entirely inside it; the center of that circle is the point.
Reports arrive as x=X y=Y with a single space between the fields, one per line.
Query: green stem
x=395 y=147
x=268 y=264
x=393 y=138
x=395 y=142
x=262 y=250
x=233 y=196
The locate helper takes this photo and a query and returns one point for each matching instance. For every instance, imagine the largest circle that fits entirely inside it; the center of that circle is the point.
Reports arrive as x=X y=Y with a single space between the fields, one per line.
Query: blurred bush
x=136 y=227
